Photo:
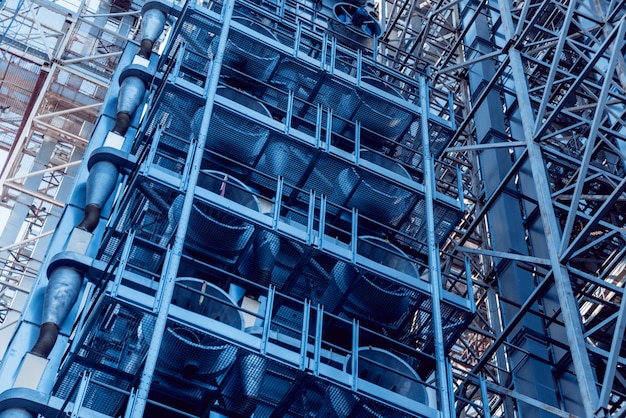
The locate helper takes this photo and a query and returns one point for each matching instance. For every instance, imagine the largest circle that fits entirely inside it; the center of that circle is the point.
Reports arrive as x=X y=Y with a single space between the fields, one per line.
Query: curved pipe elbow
x=48 y=333
x=90 y=219
x=122 y=123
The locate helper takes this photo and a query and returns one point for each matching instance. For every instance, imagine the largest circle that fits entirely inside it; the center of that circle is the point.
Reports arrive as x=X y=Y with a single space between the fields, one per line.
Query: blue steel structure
x=259 y=232
x=293 y=208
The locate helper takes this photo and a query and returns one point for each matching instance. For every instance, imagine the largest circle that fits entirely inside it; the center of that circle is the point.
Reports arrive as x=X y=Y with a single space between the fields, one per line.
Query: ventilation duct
x=152 y=25
x=194 y=353
x=375 y=196
x=211 y=230
x=367 y=294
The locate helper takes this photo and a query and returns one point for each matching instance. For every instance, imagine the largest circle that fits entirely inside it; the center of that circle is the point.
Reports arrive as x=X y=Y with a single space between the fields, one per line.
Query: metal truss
x=558 y=76
x=555 y=72
x=58 y=59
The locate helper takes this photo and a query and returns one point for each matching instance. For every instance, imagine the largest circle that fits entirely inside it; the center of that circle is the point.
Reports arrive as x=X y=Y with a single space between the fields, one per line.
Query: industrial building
x=294 y=208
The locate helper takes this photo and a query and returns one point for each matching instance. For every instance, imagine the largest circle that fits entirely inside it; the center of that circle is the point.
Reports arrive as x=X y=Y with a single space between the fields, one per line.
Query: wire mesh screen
x=188 y=52
x=236 y=133
x=113 y=350
x=414 y=226
x=454 y=321
x=261 y=387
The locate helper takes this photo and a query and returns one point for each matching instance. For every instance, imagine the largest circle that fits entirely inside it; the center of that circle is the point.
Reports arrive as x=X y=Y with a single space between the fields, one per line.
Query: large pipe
x=132 y=91
x=62 y=292
x=259 y=262
x=103 y=174
x=100 y=185
x=368 y=295
x=152 y=25
x=242 y=392
x=232 y=134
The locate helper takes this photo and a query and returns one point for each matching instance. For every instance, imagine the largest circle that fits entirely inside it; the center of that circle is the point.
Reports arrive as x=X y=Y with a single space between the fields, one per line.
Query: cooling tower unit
x=375 y=196
x=366 y=294
x=192 y=352
x=210 y=229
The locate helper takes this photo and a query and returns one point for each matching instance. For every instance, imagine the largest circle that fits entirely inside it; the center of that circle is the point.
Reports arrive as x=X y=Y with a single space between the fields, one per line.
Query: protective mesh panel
x=113 y=351
x=454 y=320
x=344 y=403
x=414 y=227
x=236 y=134
x=196 y=33
x=376 y=197
x=217 y=231
x=261 y=387
x=287 y=158
x=439 y=137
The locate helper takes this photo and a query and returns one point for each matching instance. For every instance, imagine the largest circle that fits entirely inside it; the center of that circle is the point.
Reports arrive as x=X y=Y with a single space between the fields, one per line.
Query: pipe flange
x=124 y=160
x=165 y=6
x=143 y=73
x=77 y=261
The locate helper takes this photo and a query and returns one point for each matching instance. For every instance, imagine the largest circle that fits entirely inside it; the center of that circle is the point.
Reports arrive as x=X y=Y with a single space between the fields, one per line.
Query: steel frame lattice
x=58 y=60
x=558 y=75
x=555 y=73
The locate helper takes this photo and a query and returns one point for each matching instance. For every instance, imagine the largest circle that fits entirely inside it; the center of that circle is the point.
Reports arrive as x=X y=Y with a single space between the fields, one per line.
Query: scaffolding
x=57 y=62
x=519 y=243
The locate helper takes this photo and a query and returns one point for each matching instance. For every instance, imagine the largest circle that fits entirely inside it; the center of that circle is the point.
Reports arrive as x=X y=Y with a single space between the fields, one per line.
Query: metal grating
x=113 y=350
x=264 y=387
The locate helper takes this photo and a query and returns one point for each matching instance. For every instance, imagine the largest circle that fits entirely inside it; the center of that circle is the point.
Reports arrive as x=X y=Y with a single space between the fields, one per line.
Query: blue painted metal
x=299 y=233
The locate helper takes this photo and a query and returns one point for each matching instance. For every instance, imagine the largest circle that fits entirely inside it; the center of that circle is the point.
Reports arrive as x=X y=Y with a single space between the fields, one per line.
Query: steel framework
x=57 y=61
x=537 y=90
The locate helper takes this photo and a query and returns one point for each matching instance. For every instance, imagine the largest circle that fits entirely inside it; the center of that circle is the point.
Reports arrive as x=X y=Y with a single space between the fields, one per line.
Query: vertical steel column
x=616 y=344
x=568 y=303
x=171 y=271
x=433 y=256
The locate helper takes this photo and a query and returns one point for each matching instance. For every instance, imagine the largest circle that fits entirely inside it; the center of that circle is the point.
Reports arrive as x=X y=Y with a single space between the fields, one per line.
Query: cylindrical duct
x=231 y=134
x=62 y=292
x=132 y=91
x=258 y=263
x=366 y=294
x=16 y=413
x=211 y=230
x=242 y=391
x=387 y=120
x=192 y=352
x=246 y=54
x=385 y=370
x=152 y=25
x=375 y=196
x=101 y=183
